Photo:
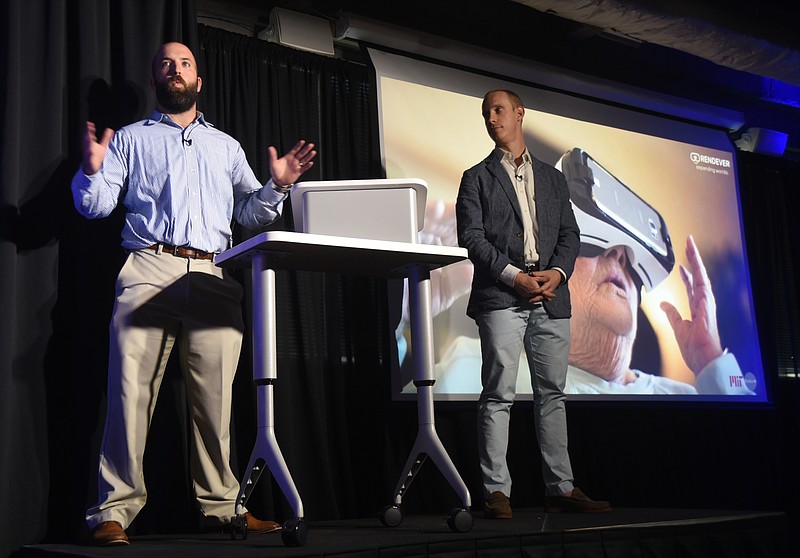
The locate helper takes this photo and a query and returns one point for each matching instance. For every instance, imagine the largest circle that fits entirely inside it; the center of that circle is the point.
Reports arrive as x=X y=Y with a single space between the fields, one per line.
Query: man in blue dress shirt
x=182 y=182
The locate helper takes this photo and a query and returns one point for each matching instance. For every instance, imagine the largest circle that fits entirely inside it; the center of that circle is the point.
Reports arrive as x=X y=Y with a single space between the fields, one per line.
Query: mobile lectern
x=334 y=253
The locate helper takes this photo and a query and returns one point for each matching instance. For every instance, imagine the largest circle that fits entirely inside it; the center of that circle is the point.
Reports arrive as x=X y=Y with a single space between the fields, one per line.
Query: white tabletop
x=337 y=254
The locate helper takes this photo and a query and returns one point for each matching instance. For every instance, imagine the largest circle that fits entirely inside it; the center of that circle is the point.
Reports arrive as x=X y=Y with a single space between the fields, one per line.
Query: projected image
x=660 y=293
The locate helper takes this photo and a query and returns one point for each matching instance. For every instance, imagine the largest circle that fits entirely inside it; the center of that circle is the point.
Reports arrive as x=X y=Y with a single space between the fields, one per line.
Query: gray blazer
x=490 y=228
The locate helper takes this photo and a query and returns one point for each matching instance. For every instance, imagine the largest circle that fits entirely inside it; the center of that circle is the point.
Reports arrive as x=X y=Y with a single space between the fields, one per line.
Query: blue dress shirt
x=179 y=186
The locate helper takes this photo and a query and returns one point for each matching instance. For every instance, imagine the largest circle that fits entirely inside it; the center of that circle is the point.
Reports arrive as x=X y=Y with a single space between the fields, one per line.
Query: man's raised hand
x=94 y=151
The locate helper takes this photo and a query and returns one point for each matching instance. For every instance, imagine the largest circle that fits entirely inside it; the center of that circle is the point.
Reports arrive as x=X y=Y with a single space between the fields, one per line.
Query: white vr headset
x=611 y=214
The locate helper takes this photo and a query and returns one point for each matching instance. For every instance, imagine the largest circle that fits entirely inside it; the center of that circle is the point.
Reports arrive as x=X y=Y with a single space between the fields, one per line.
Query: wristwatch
x=282 y=189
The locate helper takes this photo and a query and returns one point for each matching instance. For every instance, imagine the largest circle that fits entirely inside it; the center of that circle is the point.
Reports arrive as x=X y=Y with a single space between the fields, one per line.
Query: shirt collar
x=159 y=116
x=508 y=157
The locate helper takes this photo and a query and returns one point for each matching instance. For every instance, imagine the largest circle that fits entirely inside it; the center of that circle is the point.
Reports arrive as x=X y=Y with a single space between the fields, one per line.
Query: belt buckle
x=531 y=267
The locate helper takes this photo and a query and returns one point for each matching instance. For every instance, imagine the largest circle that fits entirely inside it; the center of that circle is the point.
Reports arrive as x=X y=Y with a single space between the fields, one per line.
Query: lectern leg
x=266 y=451
x=427 y=443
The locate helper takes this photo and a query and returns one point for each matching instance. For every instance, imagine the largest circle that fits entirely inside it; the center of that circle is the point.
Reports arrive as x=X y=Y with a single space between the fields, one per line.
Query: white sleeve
x=722 y=376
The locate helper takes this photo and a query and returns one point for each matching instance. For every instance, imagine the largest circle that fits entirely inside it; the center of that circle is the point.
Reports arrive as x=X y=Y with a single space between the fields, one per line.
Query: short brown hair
x=515 y=99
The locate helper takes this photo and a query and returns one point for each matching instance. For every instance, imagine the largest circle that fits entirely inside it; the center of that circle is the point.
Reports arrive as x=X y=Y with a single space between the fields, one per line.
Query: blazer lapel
x=495 y=167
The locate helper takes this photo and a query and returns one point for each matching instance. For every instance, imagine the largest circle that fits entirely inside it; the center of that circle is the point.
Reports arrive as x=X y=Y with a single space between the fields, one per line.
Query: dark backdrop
x=62 y=62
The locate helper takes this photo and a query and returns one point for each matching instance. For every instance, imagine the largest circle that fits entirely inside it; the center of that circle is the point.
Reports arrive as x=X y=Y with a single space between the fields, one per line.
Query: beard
x=176 y=100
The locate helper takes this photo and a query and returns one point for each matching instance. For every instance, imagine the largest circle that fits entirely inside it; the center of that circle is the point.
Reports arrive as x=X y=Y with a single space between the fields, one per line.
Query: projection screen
x=680 y=174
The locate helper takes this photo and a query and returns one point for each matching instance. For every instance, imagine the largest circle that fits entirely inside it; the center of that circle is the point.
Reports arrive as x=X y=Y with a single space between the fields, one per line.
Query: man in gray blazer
x=515 y=219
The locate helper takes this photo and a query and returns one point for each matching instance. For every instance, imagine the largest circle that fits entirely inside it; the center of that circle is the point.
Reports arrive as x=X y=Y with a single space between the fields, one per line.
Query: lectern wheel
x=459 y=520
x=295 y=532
x=239 y=527
x=391 y=516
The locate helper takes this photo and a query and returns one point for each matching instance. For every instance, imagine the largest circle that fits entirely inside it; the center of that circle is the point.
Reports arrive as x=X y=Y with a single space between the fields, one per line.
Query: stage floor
x=630 y=532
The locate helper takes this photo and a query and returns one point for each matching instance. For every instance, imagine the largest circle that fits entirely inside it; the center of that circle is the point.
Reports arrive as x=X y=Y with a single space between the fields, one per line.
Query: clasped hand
x=538 y=286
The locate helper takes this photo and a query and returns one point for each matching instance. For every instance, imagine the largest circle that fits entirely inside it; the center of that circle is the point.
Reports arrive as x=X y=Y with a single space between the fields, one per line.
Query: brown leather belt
x=182 y=251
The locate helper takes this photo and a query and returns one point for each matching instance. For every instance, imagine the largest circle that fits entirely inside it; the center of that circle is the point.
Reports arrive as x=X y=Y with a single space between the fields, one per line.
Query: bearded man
x=181 y=182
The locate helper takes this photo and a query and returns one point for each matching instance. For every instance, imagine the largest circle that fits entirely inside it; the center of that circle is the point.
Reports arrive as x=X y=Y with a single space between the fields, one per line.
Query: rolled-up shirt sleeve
x=97 y=195
x=255 y=205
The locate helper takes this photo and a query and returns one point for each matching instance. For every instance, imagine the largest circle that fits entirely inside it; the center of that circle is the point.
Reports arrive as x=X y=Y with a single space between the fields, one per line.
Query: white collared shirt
x=523 y=186
x=522 y=178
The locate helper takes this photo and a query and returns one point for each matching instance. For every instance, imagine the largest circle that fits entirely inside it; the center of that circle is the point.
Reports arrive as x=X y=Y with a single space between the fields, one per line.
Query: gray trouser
x=163 y=300
x=504 y=333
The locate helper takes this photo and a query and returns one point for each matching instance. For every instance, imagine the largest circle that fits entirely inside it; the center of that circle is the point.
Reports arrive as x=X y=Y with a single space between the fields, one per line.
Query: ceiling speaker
x=300 y=31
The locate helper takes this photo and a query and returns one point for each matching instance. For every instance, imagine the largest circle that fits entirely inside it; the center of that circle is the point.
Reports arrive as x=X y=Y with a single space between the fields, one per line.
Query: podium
x=280 y=250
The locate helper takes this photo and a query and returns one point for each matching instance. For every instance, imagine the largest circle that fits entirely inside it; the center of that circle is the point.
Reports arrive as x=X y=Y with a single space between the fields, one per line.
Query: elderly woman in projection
x=625 y=248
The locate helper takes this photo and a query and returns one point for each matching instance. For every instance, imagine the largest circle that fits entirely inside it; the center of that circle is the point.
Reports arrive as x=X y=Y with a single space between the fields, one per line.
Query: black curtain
x=64 y=62
x=770 y=194
x=344 y=440
x=333 y=333
x=61 y=63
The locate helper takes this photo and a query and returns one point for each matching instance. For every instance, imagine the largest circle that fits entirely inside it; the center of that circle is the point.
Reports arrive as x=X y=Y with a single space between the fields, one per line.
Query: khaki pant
x=164 y=299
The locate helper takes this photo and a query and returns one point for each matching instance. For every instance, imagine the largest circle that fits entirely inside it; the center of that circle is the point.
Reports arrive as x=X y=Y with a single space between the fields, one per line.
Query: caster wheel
x=391 y=516
x=295 y=532
x=459 y=520
x=239 y=527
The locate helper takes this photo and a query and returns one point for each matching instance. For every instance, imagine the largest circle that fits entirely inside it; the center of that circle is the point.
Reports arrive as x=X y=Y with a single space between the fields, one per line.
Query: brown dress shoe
x=576 y=502
x=109 y=533
x=497 y=506
x=257 y=526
